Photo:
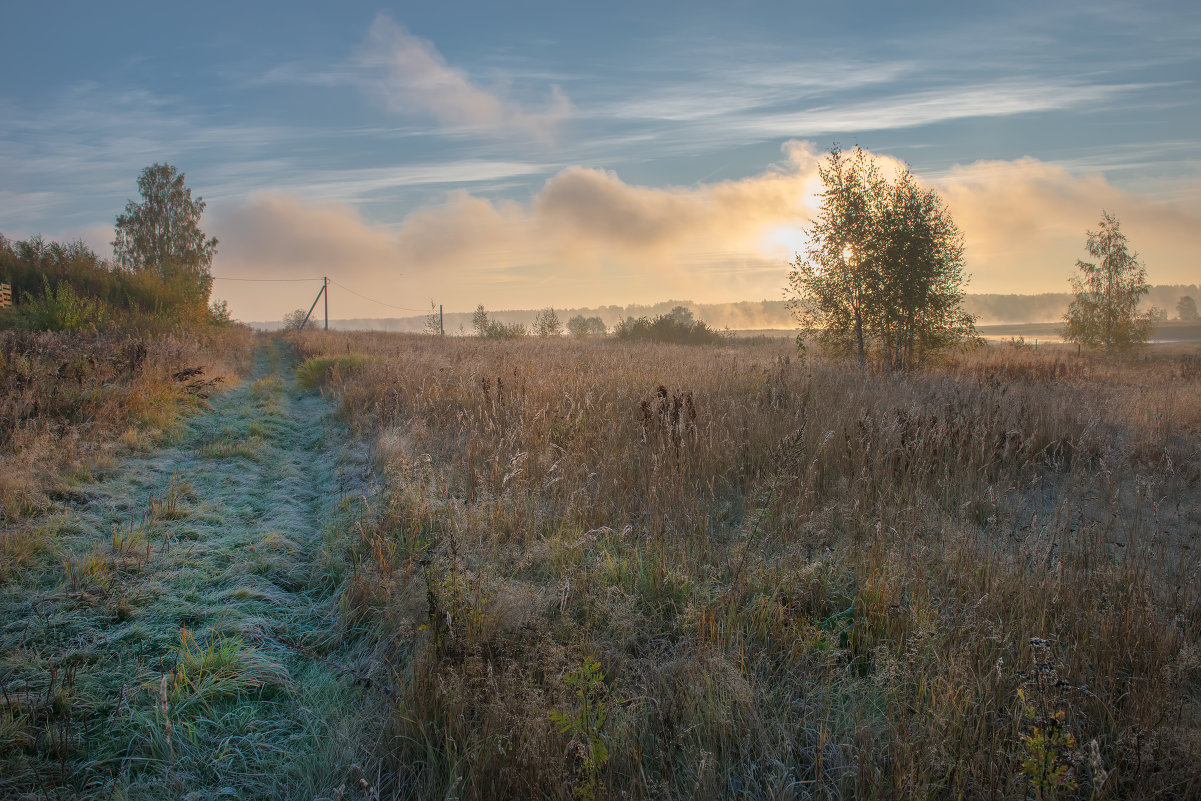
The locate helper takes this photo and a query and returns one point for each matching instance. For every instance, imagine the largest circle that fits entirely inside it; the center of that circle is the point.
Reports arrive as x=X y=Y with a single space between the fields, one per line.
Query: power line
x=332 y=281
x=373 y=300
x=231 y=278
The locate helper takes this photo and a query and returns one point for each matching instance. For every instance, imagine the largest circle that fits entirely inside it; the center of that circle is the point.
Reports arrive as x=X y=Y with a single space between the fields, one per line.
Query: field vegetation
x=99 y=356
x=620 y=569
x=70 y=403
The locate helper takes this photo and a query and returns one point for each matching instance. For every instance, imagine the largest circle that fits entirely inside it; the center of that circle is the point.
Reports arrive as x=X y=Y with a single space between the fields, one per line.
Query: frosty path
x=183 y=642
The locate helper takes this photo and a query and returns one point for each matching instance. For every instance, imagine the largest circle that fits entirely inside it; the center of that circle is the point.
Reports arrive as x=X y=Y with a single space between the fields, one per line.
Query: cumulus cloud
x=1025 y=224
x=416 y=77
x=281 y=238
x=588 y=237
x=585 y=235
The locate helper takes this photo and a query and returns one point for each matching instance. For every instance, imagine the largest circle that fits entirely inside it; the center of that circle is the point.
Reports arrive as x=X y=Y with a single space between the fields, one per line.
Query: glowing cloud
x=587 y=237
x=1025 y=222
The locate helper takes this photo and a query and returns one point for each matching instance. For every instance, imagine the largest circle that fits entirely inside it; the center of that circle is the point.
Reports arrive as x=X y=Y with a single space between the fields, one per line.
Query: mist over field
x=772 y=315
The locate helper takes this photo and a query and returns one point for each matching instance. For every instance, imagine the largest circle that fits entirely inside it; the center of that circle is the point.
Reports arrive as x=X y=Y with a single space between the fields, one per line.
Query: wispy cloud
x=416 y=77
x=351 y=185
x=742 y=112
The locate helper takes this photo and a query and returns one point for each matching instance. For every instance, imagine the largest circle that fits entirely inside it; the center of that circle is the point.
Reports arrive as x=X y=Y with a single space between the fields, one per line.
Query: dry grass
x=797 y=580
x=68 y=401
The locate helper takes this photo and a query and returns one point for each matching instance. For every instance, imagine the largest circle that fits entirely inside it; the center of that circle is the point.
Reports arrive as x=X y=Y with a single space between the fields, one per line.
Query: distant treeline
x=990 y=309
x=1051 y=306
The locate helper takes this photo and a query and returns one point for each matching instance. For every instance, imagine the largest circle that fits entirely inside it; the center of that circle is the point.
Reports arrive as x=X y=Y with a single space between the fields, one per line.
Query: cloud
x=1025 y=224
x=585 y=234
x=587 y=237
x=417 y=78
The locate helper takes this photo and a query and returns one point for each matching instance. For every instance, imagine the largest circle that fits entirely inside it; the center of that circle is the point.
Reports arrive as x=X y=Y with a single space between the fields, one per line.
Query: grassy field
x=550 y=568
x=668 y=572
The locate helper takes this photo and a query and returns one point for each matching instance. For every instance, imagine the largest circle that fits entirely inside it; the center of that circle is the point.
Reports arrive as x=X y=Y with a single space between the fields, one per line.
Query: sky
x=528 y=154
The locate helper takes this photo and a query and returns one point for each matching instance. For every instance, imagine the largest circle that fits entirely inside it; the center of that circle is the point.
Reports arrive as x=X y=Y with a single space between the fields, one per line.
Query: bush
x=547 y=324
x=499 y=330
x=584 y=327
x=668 y=328
x=61 y=309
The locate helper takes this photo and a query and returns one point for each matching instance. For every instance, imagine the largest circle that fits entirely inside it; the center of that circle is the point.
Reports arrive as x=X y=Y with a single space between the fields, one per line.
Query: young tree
x=161 y=235
x=547 y=323
x=433 y=320
x=833 y=284
x=294 y=320
x=1186 y=308
x=919 y=302
x=884 y=268
x=1105 y=310
x=682 y=315
x=479 y=321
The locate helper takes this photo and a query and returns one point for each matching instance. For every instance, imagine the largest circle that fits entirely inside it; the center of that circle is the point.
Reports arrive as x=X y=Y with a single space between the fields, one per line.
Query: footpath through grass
x=177 y=634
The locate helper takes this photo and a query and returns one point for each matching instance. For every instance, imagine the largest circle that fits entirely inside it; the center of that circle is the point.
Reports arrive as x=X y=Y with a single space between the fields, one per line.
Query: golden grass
x=797 y=580
x=68 y=400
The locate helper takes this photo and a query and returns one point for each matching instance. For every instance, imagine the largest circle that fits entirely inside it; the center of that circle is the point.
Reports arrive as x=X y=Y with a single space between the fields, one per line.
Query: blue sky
x=525 y=154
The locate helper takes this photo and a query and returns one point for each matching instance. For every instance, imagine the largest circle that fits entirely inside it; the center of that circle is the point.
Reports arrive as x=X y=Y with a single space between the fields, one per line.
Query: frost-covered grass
x=172 y=629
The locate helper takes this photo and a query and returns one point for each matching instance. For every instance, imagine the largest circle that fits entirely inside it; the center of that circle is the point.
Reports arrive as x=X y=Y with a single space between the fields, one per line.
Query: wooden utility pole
x=323 y=292
x=441 y=328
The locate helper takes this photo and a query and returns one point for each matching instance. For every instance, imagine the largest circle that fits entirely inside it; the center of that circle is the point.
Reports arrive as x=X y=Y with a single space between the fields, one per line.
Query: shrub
x=668 y=328
x=61 y=309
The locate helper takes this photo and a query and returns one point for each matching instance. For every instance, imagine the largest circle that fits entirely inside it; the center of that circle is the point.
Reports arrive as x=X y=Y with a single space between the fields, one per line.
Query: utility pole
x=323 y=292
x=441 y=328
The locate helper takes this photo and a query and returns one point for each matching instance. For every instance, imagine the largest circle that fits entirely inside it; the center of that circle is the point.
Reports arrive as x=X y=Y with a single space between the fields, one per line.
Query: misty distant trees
x=883 y=275
x=1105 y=309
x=583 y=327
x=494 y=329
x=1186 y=309
x=547 y=324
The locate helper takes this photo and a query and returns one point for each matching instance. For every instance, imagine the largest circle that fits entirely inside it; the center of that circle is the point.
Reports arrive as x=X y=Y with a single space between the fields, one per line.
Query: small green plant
x=1049 y=755
x=220 y=667
x=584 y=724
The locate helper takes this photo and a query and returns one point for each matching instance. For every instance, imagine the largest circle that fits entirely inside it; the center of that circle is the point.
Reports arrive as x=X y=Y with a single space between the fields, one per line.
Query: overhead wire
x=332 y=281
x=231 y=278
x=373 y=300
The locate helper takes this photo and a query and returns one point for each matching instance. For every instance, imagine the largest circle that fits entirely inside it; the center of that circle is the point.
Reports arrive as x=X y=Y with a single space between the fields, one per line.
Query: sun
x=784 y=241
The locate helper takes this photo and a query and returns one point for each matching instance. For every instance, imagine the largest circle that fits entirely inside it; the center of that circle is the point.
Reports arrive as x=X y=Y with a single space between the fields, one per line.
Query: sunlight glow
x=784 y=241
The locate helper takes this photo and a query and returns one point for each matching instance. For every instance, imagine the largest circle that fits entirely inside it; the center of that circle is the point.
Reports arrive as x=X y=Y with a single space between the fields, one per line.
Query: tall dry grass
x=797 y=580
x=68 y=399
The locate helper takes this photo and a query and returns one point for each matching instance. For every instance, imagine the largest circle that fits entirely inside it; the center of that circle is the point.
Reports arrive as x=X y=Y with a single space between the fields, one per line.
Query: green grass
x=317 y=370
